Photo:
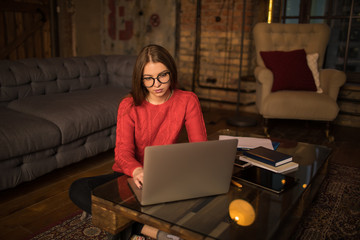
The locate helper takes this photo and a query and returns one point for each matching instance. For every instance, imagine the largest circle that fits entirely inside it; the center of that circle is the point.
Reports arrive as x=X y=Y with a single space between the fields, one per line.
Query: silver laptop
x=186 y=170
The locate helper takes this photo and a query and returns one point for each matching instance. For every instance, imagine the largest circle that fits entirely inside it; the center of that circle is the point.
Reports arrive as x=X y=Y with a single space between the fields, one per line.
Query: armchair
x=283 y=101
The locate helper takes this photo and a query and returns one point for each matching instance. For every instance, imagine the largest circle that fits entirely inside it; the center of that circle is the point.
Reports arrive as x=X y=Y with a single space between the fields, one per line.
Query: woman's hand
x=138 y=175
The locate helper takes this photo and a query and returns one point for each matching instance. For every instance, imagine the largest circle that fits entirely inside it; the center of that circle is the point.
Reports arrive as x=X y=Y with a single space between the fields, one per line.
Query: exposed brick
x=219 y=46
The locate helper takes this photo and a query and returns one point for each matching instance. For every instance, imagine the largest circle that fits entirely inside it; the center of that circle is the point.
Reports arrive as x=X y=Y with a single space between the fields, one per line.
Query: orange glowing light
x=242 y=212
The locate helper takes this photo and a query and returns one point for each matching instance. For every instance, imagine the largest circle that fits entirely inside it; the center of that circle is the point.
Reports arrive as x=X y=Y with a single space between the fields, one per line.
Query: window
x=343 y=17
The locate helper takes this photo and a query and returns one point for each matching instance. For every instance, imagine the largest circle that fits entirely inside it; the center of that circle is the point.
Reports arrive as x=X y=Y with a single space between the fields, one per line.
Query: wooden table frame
x=113 y=218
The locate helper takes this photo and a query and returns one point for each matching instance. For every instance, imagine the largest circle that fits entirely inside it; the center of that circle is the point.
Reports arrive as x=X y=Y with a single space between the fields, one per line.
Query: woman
x=153 y=114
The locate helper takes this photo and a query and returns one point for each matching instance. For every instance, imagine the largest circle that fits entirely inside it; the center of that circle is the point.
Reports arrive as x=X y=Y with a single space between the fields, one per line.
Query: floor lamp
x=237 y=120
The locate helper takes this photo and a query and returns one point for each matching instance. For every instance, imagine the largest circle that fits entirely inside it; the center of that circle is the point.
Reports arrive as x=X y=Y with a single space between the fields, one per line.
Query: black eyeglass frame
x=148 y=78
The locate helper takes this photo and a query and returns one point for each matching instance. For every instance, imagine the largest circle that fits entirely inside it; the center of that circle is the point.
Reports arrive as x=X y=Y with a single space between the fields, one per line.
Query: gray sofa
x=58 y=111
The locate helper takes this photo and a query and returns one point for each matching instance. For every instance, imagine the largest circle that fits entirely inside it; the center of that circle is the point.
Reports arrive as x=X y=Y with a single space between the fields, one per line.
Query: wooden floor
x=31 y=207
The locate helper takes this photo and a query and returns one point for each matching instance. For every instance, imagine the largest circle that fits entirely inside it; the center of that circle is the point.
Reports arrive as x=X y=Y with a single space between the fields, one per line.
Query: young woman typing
x=153 y=114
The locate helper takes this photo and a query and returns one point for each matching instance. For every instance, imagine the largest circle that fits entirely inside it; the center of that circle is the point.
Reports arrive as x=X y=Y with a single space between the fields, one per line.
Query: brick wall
x=219 y=42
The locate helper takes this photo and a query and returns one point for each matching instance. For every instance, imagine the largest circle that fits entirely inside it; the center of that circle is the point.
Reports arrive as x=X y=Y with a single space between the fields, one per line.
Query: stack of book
x=269 y=159
x=246 y=143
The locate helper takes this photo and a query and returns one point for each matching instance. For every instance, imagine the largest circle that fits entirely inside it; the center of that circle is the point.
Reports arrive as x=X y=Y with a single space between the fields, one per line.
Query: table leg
x=105 y=218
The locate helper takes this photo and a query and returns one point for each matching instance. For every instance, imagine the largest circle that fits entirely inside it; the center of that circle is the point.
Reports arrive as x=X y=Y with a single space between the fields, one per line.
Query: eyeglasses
x=163 y=78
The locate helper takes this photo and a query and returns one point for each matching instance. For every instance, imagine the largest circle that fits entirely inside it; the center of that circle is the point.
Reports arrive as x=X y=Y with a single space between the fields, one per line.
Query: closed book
x=268 y=156
x=285 y=168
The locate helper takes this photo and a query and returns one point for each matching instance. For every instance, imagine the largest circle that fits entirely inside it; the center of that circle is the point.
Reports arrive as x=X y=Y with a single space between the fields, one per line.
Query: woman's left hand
x=138 y=175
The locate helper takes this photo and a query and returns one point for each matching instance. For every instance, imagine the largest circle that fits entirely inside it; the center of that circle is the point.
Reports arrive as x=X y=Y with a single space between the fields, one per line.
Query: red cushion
x=290 y=69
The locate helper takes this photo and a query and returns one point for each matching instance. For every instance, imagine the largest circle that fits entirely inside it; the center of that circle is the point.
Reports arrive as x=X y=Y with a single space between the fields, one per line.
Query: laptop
x=186 y=170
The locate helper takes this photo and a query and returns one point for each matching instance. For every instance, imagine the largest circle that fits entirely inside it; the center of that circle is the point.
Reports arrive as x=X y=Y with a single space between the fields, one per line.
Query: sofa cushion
x=33 y=76
x=77 y=114
x=23 y=134
x=120 y=70
x=290 y=69
x=14 y=171
x=304 y=105
x=312 y=61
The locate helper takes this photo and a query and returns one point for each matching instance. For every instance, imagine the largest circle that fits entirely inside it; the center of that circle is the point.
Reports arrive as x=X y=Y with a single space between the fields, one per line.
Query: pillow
x=290 y=69
x=313 y=65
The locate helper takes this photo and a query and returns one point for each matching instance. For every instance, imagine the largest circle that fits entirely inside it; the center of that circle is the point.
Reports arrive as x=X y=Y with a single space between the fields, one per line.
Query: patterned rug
x=334 y=214
x=72 y=228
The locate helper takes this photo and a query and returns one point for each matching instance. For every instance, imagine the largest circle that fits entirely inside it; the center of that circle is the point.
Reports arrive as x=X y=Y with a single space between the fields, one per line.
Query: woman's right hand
x=138 y=175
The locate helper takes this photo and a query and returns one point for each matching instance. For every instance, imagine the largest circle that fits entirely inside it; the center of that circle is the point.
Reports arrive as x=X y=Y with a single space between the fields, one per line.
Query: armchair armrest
x=331 y=80
x=264 y=81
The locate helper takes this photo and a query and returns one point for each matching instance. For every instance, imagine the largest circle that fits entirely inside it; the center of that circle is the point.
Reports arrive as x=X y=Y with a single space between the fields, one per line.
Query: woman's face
x=159 y=90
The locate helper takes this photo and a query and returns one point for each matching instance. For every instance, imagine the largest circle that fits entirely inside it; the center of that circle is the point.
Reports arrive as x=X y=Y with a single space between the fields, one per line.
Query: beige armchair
x=295 y=104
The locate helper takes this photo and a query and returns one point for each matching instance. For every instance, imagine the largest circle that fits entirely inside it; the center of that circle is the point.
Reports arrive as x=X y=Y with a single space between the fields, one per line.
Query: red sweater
x=148 y=125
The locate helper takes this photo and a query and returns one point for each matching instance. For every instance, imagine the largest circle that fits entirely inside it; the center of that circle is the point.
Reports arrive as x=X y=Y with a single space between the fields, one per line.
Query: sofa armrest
x=331 y=80
x=264 y=81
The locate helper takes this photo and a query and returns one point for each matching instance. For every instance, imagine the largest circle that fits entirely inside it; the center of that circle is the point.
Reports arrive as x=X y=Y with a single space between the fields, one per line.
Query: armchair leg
x=328 y=134
x=266 y=127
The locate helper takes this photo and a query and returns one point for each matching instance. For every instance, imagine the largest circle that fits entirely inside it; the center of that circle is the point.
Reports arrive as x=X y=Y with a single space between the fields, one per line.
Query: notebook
x=186 y=170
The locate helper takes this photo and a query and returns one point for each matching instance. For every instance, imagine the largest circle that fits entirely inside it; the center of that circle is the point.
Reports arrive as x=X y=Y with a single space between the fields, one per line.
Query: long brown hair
x=151 y=53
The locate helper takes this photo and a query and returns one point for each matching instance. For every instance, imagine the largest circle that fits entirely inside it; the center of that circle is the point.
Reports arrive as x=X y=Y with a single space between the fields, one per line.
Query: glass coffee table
x=249 y=212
